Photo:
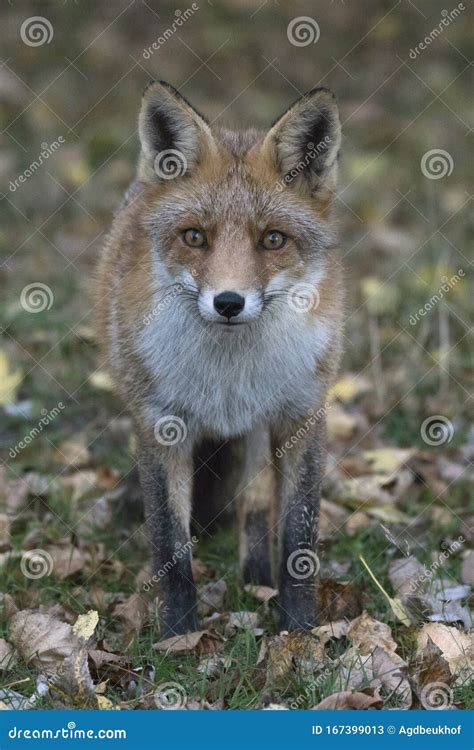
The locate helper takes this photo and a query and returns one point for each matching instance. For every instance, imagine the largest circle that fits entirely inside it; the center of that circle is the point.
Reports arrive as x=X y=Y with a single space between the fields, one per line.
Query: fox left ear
x=305 y=143
x=173 y=136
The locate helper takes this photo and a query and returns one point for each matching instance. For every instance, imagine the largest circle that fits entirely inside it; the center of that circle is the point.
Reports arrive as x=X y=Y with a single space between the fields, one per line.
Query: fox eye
x=194 y=238
x=273 y=240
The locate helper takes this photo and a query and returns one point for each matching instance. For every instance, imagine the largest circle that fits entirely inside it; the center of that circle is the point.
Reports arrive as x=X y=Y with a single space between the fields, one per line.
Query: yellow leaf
x=388 y=460
x=395 y=604
x=9 y=381
x=86 y=624
x=105 y=704
x=347 y=388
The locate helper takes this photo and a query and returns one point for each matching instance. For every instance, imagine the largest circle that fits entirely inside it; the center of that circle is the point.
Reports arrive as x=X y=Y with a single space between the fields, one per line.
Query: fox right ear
x=173 y=136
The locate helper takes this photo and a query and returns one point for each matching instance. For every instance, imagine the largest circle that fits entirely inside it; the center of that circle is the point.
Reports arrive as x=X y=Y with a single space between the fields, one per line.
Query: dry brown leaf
x=337 y=600
x=262 y=593
x=341 y=425
x=345 y=700
x=74 y=452
x=467 y=570
x=202 y=642
x=332 y=518
x=301 y=649
x=5 y=527
x=388 y=460
x=73 y=680
x=337 y=629
x=366 y=634
x=211 y=597
x=430 y=666
x=134 y=611
x=42 y=640
x=241 y=621
x=68 y=561
x=371 y=491
x=7 y=656
x=457 y=648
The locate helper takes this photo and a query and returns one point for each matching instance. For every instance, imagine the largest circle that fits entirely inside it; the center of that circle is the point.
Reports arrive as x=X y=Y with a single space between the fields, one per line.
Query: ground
x=399 y=474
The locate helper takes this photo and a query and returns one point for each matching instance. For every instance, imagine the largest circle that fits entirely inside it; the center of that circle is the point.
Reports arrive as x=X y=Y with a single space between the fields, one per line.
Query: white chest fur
x=224 y=382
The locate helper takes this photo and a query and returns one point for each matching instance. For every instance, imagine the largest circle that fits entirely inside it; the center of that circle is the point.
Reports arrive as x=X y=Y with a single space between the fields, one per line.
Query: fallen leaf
x=211 y=597
x=286 y=651
x=341 y=425
x=388 y=460
x=202 y=642
x=262 y=593
x=133 y=611
x=348 y=388
x=10 y=380
x=241 y=621
x=366 y=633
x=5 y=526
x=85 y=625
x=345 y=700
x=7 y=656
x=42 y=640
x=457 y=648
x=73 y=680
x=467 y=570
x=395 y=604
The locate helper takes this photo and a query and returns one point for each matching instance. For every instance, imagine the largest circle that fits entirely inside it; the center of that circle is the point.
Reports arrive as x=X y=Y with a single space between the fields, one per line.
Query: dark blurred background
x=72 y=88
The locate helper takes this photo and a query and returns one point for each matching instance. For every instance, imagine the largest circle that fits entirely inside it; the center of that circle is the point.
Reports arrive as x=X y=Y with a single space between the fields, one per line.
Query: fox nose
x=229 y=304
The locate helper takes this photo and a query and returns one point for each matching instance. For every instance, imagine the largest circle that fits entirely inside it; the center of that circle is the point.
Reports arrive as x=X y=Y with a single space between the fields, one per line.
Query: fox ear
x=173 y=136
x=305 y=142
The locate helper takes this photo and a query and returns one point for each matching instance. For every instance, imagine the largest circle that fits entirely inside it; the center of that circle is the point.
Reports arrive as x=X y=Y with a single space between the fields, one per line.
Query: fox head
x=239 y=222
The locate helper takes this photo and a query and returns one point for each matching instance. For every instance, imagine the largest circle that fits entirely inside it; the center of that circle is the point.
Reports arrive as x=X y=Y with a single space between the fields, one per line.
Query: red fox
x=220 y=311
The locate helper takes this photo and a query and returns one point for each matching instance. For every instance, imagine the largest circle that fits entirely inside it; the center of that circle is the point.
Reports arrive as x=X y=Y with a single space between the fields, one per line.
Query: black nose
x=229 y=304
